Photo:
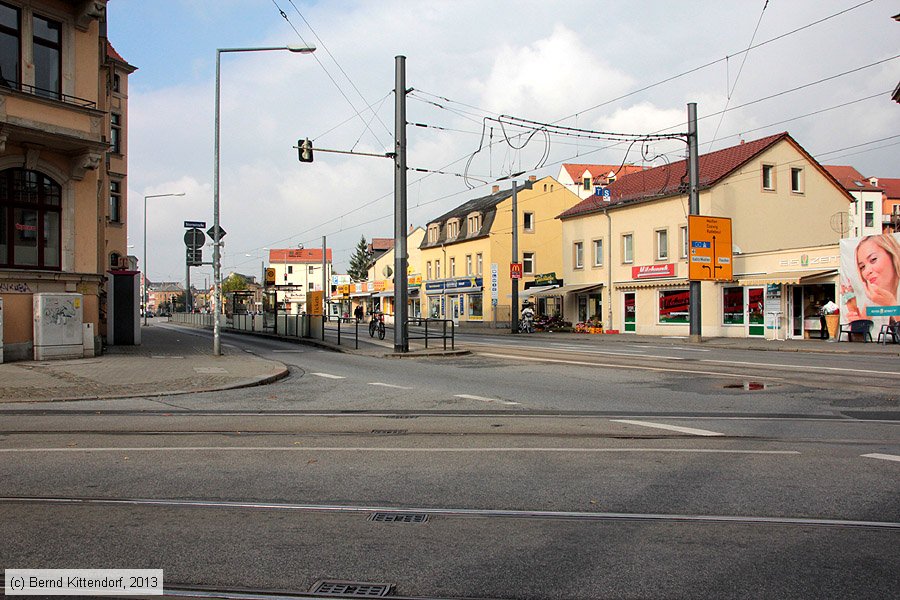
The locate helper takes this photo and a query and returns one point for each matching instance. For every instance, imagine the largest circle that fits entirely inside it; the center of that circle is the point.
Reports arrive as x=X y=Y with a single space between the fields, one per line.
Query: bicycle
x=377 y=325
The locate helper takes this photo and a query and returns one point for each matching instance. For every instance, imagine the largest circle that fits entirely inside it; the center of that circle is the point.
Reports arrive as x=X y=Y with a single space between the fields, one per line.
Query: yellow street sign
x=270 y=276
x=709 y=251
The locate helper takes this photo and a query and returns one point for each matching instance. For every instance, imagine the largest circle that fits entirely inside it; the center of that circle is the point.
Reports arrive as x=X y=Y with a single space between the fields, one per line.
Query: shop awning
x=385 y=294
x=651 y=283
x=360 y=294
x=535 y=289
x=785 y=277
x=567 y=289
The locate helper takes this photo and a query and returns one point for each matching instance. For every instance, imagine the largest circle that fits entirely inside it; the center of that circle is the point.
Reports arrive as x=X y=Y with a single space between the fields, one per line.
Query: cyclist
x=526 y=325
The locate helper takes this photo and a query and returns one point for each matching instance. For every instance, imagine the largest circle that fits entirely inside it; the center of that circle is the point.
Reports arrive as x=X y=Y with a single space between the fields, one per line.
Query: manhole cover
x=748 y=386
x=351 y=589
x=390 y=517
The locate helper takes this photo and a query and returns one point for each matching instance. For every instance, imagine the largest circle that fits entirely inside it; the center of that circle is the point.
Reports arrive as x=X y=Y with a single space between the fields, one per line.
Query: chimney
x=411 y=228
x=532 y=178
x=495 y=189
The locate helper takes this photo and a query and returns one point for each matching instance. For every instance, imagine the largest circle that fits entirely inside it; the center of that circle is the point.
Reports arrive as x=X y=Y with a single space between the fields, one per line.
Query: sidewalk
x=169 y=361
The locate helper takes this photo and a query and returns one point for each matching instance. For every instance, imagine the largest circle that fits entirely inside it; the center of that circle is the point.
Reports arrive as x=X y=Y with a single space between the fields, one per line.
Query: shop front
x=574 y=302
x=792 y=301
x=456 y=299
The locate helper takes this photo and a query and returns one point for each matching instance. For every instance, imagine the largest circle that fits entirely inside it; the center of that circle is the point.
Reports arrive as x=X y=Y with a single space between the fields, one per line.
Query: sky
x=593 y=65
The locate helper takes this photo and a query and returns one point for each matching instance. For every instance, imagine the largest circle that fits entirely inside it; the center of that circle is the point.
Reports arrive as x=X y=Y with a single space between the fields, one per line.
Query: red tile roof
x=891 y=187
x=576 y=170
x=297 y=255
x=671 y=179
x=851 y=179
x=113 y=55
x=381 y=244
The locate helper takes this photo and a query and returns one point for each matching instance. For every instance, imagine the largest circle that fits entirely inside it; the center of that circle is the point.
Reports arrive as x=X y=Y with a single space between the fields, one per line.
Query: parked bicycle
x=376 y=325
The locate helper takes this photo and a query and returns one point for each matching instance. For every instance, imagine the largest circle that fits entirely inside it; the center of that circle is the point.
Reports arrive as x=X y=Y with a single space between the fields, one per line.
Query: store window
x=10 y=46
x=30 y=220
x=434 y=307
x=674 y=306
x=733 y=306
x=475 y=306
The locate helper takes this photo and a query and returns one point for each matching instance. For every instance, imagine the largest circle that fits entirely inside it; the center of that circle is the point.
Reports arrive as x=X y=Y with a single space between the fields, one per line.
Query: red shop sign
x=653 y=271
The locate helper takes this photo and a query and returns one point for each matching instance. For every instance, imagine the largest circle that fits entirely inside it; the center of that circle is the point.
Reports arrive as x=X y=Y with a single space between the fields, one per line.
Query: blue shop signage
x=455 y=286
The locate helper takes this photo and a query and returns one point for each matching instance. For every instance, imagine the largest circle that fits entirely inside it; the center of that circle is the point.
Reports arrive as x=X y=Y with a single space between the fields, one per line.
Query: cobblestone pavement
x=168 y=361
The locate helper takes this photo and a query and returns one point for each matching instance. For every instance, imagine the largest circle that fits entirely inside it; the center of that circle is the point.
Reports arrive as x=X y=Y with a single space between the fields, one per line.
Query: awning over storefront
x=785 y=277
x=538 y=288
x=360 y=294
x=568 y=289
x=386 y=294
x=651 y=283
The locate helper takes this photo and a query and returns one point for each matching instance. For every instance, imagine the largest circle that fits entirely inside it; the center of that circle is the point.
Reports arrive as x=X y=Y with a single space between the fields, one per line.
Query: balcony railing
x=50 y=95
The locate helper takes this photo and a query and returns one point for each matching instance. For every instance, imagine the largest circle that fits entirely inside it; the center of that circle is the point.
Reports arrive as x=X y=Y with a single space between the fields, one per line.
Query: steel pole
x=514 y=320
x=694 y=183
x=146 y=294
x=401 y=338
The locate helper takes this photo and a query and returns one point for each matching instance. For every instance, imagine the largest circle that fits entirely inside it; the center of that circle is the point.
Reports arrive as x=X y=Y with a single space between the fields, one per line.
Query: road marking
x=287 y=351
x=401 y=450
x=882 y=456
x=801 y=367
x=390 y=385
x=327 y=376
x=671 y=348
x=483 y=399
x=580 y=351
x=639 y=368
x=466 y=512
x=689 y=430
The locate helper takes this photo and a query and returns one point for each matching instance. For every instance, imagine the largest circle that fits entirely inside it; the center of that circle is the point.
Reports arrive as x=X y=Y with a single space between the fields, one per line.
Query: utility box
x=58 y=320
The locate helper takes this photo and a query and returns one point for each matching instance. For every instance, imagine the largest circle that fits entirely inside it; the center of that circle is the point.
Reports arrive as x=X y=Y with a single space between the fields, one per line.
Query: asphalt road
x=527 y=471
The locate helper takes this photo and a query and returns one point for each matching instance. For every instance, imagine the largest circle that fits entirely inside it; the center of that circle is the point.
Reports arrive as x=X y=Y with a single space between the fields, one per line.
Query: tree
x=233 y=283
x=360 y=261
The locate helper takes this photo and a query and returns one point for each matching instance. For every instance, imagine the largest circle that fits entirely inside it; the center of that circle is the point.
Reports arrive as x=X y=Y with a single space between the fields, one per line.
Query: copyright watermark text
x=83 y=582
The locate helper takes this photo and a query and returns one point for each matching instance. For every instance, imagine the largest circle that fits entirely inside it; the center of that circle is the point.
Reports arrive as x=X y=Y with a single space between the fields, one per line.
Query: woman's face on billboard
x=875 y=266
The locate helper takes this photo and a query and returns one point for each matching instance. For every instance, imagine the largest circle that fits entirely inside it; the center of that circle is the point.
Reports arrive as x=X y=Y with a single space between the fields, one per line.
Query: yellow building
x=466 y=253
x=783 y=207
x=63 y=205
x=382 y=274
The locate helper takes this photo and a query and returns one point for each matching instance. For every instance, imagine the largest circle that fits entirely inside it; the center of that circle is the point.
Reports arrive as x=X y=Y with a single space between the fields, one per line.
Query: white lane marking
x=671 y=347
x=801 y=367
x=393 y=450
x=288 y=351
x=327 y=376
x=639 y=368
x=580 y=351
x=689 y=430
x=483 y=399
x=882 y=456
x=390 y=385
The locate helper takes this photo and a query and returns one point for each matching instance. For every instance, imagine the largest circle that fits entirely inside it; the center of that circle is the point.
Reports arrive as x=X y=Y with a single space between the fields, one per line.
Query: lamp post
x=146 y=273
x=217 y=266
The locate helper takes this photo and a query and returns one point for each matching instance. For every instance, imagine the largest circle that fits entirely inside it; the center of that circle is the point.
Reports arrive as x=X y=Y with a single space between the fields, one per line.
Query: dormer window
x=433 y=232
x=473 y=223
x=452 y=229
x=586 y=183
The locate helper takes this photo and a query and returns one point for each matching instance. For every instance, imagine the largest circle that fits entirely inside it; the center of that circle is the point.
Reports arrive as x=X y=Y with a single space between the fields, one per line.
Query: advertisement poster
x=870 y=278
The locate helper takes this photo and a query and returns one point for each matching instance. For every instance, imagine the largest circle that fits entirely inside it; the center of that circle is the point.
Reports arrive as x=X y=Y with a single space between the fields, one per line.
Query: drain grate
x=392 y=517
x=389 y=431
x=351 y=589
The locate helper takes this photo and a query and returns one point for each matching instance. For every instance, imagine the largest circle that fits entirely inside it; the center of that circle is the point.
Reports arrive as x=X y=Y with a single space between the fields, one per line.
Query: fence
x=418 y=329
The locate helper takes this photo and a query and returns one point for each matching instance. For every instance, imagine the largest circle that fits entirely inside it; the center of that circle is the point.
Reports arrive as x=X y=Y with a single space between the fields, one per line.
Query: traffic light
x=305 y=150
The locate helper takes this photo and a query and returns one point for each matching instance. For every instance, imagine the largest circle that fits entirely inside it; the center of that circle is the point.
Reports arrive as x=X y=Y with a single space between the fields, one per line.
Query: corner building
x=783 y=207
x=63 y=157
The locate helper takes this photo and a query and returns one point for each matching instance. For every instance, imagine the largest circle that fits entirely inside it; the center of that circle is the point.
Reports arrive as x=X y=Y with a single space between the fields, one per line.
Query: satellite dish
x=387 y=271
x=840 y=223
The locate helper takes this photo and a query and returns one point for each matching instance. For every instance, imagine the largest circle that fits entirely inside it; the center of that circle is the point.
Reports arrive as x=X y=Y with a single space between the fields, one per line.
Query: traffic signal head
x=305 y=150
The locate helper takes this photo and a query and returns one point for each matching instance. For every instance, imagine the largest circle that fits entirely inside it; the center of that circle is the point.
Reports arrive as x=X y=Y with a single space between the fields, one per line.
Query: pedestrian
x=358 y=313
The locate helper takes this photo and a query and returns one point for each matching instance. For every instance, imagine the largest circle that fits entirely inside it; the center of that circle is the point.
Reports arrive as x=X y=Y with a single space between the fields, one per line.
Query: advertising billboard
x=870 y=278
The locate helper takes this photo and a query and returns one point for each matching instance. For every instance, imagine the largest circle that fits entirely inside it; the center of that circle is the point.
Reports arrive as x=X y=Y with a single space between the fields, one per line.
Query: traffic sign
x=197 y=224
x=194 y=238
x=194 y=257
x=270 y=276
x=710 y=256
x=211 y=232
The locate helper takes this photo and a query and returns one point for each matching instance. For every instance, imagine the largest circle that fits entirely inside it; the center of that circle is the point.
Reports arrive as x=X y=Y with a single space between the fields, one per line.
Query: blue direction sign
x=195 y=224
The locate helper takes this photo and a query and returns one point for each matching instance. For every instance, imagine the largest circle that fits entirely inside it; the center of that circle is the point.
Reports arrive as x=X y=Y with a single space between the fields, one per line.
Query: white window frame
x=769 y=185
x=578 y=255
x=528 y=222
x=797 y=180
x=479 y=263
x=437 y=269
x=627 y=248
x=528 y=263
x=598 y=252
x=468 y=264
x=428 y=270
x=452 y=265
x=684 y=241
x=662 y=245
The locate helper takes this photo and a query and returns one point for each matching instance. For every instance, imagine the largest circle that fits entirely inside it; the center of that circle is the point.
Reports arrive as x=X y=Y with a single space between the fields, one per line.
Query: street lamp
x=146 y=273
x=217 y=262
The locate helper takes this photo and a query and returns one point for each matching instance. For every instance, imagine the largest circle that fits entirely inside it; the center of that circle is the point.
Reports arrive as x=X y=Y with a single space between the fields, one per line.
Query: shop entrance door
x=756 y=316
x=454 y=309
x=630 y=314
